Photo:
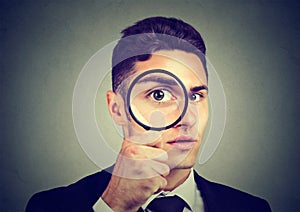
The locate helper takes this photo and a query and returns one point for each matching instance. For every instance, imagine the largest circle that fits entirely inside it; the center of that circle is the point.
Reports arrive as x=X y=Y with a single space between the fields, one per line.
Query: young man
x=160 y=98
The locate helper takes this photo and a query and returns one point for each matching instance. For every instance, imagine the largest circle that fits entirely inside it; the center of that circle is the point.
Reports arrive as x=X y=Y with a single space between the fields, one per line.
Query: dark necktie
x=167 y=204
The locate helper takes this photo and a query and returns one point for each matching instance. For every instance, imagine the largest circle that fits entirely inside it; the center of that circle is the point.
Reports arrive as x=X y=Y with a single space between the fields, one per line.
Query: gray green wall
x=254 y=46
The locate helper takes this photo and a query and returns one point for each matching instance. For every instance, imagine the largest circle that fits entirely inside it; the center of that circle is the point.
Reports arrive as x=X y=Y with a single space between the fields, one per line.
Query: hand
x=139 y=172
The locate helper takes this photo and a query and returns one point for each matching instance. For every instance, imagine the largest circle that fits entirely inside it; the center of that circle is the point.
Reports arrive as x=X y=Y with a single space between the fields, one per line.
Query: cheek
x=203 y=116
x=192 y=156
x=133 y=128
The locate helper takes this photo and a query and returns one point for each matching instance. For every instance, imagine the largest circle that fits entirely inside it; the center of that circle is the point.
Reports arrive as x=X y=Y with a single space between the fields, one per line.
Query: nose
x=190 y=118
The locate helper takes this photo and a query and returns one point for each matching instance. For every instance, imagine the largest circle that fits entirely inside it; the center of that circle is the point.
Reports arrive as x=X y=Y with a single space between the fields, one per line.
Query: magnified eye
x=161 y=95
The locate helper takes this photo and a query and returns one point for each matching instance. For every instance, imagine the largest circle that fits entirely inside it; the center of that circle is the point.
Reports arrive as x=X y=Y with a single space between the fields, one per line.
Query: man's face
x=183 y=140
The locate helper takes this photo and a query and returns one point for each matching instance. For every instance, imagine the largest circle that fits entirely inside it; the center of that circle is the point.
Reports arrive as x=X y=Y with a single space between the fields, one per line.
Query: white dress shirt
x=188 y=191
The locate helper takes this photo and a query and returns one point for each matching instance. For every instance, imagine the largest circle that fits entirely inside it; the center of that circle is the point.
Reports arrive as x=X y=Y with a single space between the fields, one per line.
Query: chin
x=186 y=164
x=183 y=167
x=181 y=160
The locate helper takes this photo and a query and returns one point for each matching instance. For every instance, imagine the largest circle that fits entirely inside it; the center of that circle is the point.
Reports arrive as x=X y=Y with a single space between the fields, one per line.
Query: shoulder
x=228 y=198
x=79 y=196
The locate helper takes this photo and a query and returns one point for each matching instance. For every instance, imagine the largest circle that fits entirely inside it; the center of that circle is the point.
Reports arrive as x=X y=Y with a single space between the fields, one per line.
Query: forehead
x=186 y=66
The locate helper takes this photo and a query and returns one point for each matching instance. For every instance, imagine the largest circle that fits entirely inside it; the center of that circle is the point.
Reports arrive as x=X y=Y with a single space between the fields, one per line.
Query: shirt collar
x=186 y=191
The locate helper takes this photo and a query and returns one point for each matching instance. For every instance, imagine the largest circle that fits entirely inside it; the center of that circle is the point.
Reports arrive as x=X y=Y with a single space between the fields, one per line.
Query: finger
x=144 y=138
x=160 y=184
x=135 y=151
x=160 y=168
x=154 y=153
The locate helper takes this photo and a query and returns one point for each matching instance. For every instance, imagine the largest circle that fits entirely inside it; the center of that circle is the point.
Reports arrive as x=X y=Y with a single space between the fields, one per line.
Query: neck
x=176 y=178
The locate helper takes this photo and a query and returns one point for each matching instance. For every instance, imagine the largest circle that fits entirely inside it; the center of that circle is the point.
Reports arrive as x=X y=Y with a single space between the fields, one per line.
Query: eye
x=196 y=97
x=161 y=95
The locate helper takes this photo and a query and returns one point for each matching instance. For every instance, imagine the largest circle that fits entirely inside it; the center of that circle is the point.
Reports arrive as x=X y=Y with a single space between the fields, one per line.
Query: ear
x=115 y=105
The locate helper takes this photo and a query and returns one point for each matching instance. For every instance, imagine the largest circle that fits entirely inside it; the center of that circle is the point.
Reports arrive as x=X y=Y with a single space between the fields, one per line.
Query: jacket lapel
x=101 y=180
x=209 y=199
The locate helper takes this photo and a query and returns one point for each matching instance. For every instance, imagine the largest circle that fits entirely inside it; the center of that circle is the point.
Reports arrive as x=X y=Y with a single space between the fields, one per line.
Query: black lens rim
x=146 y=127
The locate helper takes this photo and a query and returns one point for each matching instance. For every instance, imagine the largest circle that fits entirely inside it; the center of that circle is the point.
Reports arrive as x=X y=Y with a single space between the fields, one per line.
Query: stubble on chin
x=180 y=160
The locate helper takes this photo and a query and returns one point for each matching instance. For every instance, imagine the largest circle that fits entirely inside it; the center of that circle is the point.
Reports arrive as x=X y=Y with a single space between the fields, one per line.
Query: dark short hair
x=150 y=41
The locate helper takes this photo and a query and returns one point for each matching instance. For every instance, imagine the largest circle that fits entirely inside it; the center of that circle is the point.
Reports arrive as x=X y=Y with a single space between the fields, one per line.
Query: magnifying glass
x=157 y=100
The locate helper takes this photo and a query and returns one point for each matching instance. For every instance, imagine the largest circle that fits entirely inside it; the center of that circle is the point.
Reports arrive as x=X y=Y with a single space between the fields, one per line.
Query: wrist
x=116 y=203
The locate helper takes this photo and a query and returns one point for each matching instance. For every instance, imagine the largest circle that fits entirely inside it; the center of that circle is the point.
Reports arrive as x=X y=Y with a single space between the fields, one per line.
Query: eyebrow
x=170 y=82
x=199 y=88
x=158 y=80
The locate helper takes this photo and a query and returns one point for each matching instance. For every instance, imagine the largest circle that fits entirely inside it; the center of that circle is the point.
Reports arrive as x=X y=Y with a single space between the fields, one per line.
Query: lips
x=183 y=143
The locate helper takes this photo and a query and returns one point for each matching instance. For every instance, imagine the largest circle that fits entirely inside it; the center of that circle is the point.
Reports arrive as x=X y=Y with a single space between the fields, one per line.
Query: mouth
x=183 y=143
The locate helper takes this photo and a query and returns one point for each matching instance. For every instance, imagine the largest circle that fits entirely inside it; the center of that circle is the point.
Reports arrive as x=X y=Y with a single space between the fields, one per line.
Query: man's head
x=149 y=40
x=171 y=45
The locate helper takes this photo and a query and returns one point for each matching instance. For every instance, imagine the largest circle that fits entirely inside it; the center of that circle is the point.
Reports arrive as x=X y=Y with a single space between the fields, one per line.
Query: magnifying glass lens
x=157 y=100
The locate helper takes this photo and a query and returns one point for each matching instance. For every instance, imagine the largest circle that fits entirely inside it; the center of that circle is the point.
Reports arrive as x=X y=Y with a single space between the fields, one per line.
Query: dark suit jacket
x=82 y=195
